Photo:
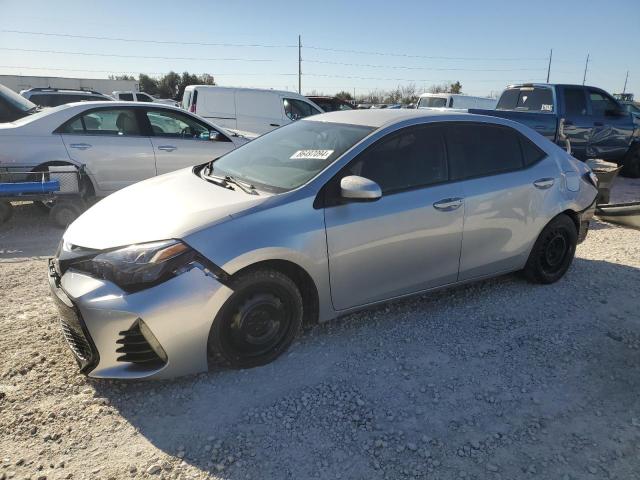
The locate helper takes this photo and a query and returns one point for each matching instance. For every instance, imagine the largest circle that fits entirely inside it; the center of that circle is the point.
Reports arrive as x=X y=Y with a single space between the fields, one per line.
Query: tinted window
x=326 y=105
x=119 y=122
x=601 y=103
x=478 y=150
x=127 y=97
x=412 y=158
x=530 y=151
x=297 y=109
x=574 y=101
x=143 y=97
x=432 y=102
x=531 y=99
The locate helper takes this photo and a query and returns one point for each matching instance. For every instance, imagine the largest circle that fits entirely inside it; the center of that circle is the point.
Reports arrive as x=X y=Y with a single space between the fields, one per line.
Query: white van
x=247 y=109
x=456 y=101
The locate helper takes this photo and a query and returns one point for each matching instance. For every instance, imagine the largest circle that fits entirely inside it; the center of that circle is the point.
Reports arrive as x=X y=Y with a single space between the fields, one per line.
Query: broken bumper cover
x=159 y=332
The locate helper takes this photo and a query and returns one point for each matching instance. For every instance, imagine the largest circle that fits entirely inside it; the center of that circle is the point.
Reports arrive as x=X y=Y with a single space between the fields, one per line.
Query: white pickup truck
x=130 y=96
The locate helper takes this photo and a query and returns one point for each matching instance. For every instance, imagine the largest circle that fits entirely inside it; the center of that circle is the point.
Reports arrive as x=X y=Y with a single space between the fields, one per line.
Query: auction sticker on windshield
x=311 y=155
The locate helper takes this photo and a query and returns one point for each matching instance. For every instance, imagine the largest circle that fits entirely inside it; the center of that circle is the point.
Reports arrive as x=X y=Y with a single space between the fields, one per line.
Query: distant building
x=102 y=85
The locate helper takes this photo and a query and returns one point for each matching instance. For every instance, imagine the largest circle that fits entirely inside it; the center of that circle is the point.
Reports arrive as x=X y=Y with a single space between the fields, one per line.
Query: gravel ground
x=500 y=379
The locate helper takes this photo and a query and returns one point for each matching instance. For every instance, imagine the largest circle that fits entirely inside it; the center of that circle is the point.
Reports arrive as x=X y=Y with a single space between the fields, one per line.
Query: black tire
x=553 y=252
x=64 y=212
x=6 y=212
x=258 y=322
x=631 y=163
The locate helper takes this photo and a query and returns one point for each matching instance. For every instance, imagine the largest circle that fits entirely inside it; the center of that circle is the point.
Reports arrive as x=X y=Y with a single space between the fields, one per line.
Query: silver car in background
x=222 y=263
x=118 y=143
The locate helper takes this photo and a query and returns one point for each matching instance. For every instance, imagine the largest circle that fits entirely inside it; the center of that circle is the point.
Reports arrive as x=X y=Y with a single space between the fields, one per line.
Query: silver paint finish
x=356 y=253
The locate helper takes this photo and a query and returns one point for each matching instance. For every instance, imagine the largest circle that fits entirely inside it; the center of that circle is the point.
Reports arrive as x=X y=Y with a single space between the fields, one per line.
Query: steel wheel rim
x=555 y=252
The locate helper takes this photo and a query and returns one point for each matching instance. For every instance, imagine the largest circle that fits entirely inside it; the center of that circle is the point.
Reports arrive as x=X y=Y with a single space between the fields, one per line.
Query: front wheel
x=258 y=322
x=553 y=251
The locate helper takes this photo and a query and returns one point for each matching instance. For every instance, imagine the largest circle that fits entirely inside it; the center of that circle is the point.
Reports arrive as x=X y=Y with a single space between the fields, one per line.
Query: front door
x=111 y=144
x=179 y=140
x=408 y=240
x=612 y=127
x=578 y=123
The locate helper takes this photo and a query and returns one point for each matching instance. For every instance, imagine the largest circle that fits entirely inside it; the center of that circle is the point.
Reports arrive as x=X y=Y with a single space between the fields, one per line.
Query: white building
x=102 y=85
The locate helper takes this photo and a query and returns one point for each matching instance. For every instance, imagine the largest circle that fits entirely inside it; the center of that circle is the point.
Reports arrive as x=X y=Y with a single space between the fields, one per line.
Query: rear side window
x=127 y=97
x=119 y=122
x=143 y=97
x=530 y=152
x=432 y=102
x=412 y=158
x=574 y=101
x=530 y=99
x=477 y=150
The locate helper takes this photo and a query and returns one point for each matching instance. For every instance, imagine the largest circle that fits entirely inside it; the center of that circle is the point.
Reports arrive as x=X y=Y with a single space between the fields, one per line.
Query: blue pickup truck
x=595 y=123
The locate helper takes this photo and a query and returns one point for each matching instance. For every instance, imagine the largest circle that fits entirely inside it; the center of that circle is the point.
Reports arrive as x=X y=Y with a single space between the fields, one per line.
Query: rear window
x=432 y=102
x=529 y=99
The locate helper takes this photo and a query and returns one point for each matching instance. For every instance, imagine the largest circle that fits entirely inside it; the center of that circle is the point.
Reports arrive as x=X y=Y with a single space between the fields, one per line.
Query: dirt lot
x=494 y=380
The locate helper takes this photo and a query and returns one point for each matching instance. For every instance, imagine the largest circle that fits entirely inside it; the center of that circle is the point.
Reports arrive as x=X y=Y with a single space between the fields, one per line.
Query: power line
x=135 y=72
x=93 y=54
x=424 y=68
x=139 y=40
x=406 y=79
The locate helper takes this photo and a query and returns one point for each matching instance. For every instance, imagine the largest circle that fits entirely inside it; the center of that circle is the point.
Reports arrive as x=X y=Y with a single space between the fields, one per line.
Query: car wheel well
x=87 y=189
x=574 y=217
x=301 y=278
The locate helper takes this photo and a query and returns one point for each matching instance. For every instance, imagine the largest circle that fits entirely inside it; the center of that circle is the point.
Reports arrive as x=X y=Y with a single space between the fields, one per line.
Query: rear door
x=408 y=240
x=504 y=179
x=112 y=145
x=180 y=140
x=612 y=126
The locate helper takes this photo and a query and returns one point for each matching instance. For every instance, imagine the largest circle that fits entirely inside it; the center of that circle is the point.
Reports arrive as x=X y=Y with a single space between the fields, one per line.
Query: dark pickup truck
x=595 y=124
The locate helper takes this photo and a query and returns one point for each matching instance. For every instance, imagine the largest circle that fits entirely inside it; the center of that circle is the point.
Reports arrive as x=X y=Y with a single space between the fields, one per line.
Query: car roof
x=379 y=117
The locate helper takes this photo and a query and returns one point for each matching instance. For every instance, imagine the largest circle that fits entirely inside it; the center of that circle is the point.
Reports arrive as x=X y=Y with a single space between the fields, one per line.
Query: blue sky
x=483 y=44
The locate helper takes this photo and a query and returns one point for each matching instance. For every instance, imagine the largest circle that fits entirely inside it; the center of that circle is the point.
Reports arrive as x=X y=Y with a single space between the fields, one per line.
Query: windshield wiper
x=244 y=186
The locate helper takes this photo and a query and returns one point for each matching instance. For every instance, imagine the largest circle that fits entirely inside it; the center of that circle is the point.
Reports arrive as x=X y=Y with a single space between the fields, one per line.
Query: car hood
x=169 y=206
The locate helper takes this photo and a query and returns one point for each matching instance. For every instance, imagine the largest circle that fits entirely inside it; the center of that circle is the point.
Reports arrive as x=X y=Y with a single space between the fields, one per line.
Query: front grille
x=136 y=349
x=77 y=342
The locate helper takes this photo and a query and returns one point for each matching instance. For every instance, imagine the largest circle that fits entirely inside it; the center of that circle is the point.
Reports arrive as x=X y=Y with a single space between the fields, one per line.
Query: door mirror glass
x=354 y=187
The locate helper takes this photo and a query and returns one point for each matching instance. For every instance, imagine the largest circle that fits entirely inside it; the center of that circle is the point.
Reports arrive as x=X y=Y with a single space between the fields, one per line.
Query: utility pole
x=300 y=64
x=549 y=68
x=624 y=90
x=584 y=78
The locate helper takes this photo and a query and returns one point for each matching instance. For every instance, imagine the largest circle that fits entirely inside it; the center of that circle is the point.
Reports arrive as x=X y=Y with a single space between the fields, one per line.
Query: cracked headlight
x=139 y=266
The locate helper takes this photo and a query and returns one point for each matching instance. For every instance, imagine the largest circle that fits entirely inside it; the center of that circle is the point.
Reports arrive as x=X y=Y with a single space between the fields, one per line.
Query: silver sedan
x=223 y=263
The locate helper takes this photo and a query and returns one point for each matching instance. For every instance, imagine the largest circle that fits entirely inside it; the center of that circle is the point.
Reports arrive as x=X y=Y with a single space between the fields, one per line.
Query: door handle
x=80 y=146
x=274 y=125
x=448 y=204
x=544 y=183
x=167 y=148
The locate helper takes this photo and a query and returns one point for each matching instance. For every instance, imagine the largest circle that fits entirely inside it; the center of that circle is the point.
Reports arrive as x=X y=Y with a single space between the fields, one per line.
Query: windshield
x=290 y=156
x=432 y=102
x=16 y=100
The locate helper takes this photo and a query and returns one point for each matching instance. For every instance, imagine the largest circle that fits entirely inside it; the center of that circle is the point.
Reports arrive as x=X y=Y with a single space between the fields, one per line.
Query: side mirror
x=358 y=188
x=215 y=136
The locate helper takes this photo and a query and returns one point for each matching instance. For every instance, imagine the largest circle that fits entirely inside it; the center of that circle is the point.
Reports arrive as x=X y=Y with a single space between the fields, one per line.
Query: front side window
x=118 y=122
x=297 y=109
x=290 y=156
x=601 y=103
x=574 y=101
x=143 y=97
x=412 y=158
x=477 y=150
x=176 y=125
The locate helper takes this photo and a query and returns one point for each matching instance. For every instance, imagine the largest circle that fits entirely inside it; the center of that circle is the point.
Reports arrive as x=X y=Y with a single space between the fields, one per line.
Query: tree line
x=170 y=85
x=402 y=94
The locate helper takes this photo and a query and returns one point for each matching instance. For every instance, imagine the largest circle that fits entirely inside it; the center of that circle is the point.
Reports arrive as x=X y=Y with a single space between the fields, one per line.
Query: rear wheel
x=258 y=322
x=631 y=163
x=553 y=251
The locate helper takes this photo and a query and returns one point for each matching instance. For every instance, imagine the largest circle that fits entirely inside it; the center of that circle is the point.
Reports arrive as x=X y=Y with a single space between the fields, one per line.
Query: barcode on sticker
x=311 y=155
